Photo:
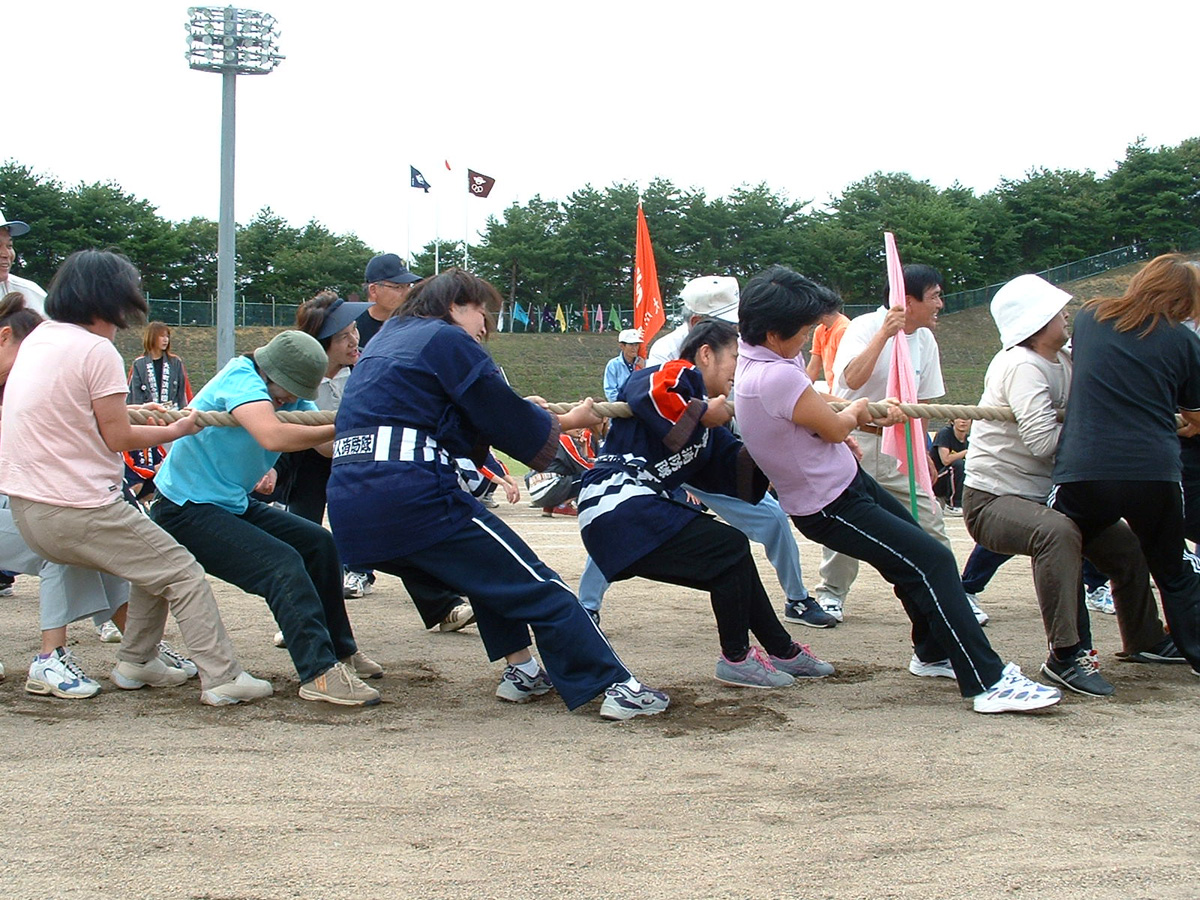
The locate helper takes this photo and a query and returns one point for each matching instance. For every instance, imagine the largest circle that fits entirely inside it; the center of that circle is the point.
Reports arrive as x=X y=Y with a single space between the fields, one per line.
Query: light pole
x=233 y=42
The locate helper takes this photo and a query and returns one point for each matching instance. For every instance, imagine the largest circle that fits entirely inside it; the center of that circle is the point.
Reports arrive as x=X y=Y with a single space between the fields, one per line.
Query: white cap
x=712 y=295
x=1023 y=306
x=630 y=336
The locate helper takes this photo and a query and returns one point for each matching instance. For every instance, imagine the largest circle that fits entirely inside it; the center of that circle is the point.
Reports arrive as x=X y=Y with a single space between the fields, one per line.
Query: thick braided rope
x=912 y=410
x=613 y=410
x=308 y=417
x=610 y=410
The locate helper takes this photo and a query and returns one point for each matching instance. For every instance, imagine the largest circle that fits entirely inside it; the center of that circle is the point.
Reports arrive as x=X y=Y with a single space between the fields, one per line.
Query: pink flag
x=902 y=383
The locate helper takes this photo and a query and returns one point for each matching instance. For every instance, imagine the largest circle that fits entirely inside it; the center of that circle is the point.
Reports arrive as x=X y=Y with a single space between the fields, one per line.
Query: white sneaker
x=279 y=641
x=355 y=585
x=109 y=633
x=172 y=657
x=130 y=676
x=831 y=604
x=244 y=687
x=60 y=675
x=1015 y=693
x=458 y=618
x=980 y=616
x=939 y=669
x=1 y=671
x=1100 y=600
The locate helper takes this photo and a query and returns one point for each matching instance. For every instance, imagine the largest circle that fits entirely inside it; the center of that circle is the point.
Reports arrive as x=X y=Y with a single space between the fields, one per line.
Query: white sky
x=546 y=97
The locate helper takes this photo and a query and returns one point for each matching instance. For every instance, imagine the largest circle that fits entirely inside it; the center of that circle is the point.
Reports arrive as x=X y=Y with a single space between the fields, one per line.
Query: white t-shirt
x=922 y=347
x=1017 y=458
x=35 y=297
x=667 y=347
x=51 y=450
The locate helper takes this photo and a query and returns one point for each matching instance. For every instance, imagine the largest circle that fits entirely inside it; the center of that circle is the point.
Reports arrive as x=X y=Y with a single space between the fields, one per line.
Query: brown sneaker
x=363 y=666
x=339 y=685
x=460 y=617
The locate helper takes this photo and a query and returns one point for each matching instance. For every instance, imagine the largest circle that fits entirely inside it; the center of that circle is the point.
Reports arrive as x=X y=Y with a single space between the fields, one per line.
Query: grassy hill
x=564 y=367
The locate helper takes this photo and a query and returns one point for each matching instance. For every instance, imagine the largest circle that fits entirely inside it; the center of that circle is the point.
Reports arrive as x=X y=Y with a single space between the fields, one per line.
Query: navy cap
x=341 y=314
x=15 y=228
x=388 y=267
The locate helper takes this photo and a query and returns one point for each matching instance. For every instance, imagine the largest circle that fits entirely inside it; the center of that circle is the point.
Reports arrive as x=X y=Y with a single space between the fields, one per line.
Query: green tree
x=1155 y=193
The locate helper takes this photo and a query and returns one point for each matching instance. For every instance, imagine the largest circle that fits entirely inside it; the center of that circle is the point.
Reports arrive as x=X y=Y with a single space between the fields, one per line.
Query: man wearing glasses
x=388 y=284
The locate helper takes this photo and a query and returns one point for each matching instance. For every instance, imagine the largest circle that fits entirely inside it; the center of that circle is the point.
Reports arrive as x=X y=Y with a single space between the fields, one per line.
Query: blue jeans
x=511 y=591
x=288 y=560
x=763 y=522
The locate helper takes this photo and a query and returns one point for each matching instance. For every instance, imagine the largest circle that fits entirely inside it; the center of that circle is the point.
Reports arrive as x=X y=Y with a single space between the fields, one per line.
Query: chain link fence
x=1073 y=271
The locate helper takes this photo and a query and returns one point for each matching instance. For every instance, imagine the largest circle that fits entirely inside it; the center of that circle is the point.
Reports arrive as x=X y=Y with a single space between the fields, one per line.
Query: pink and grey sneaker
x=757 y=670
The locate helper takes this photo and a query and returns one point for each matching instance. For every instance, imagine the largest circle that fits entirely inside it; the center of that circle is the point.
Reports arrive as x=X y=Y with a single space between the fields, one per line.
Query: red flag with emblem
x=647 y=299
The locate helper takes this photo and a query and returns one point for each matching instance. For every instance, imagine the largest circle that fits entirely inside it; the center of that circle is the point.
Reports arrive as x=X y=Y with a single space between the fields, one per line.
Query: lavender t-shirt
x=807 y=471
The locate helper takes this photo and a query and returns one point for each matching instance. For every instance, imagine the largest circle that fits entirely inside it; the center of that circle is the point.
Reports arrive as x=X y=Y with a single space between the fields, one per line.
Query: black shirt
x=368 y=325
x=1126 y=389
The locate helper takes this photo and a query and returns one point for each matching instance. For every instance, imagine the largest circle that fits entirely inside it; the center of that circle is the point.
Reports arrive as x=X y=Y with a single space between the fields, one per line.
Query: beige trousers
x=163 y=575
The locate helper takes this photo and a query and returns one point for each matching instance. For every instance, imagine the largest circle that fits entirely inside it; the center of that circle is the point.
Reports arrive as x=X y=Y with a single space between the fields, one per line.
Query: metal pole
x=227 y=228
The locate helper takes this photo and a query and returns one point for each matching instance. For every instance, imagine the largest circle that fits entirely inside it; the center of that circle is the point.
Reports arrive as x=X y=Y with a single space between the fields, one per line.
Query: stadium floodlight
x=232 y=42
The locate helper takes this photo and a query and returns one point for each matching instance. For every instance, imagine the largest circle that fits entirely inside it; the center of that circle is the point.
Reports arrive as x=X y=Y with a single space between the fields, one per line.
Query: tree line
x=579 y=251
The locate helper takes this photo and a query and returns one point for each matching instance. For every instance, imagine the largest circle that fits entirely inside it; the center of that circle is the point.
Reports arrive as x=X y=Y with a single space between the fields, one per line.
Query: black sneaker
x=1164 y=651
x=807 y=612
x=1080 y=673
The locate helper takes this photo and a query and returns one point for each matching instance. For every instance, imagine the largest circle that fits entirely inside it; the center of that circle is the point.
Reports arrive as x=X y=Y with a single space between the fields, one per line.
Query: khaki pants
x=122 y=541
x=838 y=570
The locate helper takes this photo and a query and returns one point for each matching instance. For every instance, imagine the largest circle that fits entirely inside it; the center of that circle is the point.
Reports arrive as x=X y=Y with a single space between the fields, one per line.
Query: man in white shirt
x=861 y=370
x=35 y=297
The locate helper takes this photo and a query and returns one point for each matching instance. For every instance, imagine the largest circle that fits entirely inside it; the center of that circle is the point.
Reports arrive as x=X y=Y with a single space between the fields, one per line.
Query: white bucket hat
x=712 y=295
x=1023 y=306
x=630 y=336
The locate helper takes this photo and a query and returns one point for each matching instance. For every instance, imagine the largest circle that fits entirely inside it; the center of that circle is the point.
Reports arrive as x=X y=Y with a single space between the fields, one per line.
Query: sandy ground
x=870 y=784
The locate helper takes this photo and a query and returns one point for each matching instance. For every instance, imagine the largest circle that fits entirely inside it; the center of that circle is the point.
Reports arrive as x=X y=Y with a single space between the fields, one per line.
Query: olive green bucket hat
x=295 y=361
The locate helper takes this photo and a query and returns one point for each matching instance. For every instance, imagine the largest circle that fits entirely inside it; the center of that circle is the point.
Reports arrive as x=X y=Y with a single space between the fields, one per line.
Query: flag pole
x=466 y=222
x=912 y=474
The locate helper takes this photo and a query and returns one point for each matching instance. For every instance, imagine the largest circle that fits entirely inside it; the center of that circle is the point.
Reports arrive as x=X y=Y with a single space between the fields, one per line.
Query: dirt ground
x=870 y=784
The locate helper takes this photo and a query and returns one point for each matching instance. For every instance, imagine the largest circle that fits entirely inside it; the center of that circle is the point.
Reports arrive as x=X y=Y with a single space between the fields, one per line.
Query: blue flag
x=519 y=314
x=417 y=179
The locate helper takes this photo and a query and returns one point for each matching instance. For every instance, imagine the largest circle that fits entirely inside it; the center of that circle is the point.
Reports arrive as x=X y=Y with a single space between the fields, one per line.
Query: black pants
x=1154 y=511
x=711 y=556
x=290 y=562
x=868 y=523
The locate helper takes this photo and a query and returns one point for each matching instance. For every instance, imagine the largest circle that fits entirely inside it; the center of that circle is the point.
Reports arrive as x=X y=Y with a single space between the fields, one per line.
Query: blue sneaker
x=60 y=675
x=756 y=671
x=517 y=687
x=624 y=702
x=808 y=612
x=803 y=665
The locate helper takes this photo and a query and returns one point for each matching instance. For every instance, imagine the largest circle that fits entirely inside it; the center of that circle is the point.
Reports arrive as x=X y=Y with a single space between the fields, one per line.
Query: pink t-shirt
x=807 y=471
x=51 y=450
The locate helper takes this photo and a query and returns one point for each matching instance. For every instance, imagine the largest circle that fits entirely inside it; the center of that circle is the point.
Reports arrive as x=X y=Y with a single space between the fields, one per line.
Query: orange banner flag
x=647 y=299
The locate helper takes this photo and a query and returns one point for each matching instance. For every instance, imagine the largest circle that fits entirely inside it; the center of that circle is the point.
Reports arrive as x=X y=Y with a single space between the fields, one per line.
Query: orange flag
x=647 y=299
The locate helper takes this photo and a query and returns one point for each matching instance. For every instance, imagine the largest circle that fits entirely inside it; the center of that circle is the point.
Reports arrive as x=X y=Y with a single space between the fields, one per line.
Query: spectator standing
x=35 y=297
x=158 y=375
x=624 y=364
x=827 y=336
x=388 y=284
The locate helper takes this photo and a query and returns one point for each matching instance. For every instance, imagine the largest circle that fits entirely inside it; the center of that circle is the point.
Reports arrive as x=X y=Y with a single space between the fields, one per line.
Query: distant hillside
x=564 y=367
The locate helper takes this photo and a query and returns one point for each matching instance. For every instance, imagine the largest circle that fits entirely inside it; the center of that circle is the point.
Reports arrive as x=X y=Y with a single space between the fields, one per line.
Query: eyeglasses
x=392 y=285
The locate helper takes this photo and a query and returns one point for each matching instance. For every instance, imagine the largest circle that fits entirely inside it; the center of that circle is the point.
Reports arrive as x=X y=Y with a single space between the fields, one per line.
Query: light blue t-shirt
x=221 y=465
